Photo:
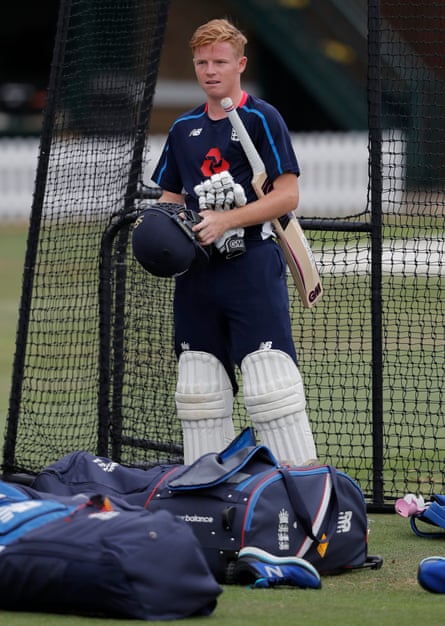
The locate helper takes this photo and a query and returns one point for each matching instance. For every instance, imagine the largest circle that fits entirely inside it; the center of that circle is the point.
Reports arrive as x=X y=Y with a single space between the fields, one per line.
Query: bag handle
x=296 y=499
x=433 y=515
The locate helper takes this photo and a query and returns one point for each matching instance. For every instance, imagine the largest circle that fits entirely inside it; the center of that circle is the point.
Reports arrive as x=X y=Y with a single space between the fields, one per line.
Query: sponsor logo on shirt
x=214 y=163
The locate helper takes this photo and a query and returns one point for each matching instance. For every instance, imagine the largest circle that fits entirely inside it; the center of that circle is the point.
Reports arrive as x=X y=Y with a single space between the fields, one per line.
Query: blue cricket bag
x=431 y=521
x=99 y=558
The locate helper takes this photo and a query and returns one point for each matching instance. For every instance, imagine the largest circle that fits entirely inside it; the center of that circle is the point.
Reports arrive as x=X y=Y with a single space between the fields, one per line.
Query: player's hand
x=213 y=224
x=230 y=243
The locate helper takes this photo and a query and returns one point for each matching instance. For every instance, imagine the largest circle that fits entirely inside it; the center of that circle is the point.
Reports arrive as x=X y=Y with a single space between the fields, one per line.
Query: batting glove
x=221 y=193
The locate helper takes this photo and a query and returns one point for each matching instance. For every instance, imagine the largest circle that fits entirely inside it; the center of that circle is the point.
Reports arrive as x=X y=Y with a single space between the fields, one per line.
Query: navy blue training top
x=198 y=147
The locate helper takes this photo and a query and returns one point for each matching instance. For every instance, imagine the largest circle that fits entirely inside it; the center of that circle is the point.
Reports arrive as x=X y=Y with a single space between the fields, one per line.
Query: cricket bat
x=290 y=235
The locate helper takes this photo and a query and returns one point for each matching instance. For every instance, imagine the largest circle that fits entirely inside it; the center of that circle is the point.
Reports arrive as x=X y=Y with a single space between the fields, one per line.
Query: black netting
x=94 y=366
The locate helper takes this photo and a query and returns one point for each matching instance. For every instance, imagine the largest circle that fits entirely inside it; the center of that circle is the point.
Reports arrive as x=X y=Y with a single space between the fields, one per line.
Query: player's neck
x=214 y=108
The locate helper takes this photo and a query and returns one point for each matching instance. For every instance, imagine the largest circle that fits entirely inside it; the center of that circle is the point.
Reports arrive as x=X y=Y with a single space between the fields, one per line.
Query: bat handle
x=253 y=157
x=227 y=105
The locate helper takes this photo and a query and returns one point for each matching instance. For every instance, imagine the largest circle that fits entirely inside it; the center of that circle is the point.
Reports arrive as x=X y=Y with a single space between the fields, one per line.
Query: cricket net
x=94 y=367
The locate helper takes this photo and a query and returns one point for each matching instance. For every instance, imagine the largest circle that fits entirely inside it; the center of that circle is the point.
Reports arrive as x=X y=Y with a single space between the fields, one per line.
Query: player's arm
x=282 y=199
x=169 y=196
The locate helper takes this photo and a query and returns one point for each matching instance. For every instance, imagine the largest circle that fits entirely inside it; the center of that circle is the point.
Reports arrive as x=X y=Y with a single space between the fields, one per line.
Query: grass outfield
x=12 y=254
x=384 y=597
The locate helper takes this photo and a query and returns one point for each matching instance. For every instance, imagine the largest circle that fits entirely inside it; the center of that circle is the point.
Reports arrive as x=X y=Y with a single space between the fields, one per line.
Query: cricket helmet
x=163 y=241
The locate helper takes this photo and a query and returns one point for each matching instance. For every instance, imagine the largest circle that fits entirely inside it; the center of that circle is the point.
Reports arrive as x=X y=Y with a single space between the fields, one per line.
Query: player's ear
x=242 y=63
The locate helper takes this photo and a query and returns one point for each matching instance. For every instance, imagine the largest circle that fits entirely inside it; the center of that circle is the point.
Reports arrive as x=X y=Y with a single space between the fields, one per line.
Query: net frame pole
x=375 y=178
x=112 y=341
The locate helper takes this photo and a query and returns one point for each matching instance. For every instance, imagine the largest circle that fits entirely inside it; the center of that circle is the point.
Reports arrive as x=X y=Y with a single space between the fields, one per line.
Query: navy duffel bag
x=99 y=556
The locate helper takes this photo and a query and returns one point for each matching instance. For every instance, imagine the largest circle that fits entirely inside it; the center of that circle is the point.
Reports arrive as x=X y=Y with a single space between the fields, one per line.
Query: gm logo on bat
x=315 y=292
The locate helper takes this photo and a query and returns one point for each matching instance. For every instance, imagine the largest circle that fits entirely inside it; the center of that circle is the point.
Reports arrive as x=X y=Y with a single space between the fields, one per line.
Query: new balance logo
x=195 y=132
x=344 y=521
x=106 y=466
x=273 y=570
x=234 y=136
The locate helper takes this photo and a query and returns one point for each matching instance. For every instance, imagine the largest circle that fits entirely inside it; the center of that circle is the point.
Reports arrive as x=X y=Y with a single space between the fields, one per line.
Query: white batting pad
x=275 y=401
x=204 y=402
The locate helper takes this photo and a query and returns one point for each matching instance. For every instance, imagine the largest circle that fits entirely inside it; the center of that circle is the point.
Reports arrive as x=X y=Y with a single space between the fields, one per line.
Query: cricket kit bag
x=243 y=498
x=99 y=556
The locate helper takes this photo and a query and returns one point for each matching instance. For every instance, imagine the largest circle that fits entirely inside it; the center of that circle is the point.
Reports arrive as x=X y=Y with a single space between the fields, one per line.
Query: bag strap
x=433 y=515
x=297 y=500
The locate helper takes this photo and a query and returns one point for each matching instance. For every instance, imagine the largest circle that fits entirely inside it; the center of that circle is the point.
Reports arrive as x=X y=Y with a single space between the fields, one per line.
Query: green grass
x=12 y=254
x=383 y=597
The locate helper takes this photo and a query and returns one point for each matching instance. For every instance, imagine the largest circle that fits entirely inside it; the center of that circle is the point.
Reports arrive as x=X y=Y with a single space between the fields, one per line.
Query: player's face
x=218 y=69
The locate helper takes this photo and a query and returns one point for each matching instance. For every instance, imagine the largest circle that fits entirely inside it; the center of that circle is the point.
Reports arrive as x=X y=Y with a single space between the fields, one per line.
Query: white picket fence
x=333 y=183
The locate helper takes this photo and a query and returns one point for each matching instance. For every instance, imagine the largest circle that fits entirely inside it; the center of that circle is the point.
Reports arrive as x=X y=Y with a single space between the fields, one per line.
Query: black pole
x=112 y=341
x=375 y=177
